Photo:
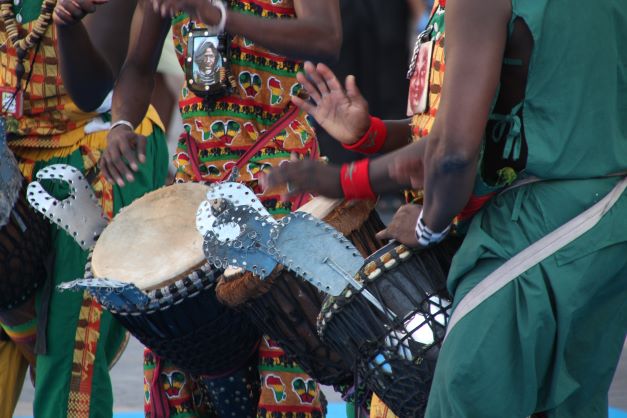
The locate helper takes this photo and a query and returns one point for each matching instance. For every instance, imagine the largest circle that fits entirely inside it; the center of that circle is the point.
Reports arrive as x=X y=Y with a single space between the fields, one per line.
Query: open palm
x=343 y=113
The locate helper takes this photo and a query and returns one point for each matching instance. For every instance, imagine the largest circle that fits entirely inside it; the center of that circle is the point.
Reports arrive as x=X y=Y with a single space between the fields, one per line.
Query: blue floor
x=336 y=410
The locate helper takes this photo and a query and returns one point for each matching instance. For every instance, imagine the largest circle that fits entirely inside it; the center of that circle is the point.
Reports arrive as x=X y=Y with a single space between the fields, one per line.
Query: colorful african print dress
x=82 y=340
x=222 y=131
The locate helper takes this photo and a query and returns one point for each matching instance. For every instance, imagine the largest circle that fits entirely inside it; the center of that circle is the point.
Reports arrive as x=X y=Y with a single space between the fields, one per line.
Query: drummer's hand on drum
x=125 y=151
x=69 y=12
x=304 y=176
x=343 y=113
x=402 y=227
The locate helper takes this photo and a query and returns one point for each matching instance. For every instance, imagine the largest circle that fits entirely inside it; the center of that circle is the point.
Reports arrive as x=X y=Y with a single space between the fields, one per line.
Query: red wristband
x=373 y=139
x=355 y=181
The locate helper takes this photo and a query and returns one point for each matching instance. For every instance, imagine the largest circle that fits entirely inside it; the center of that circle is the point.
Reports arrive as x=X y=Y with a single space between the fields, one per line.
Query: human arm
x=308 y=176
x=452 y=148
x=132 y=93
x=84 y=64
x=476 y=38
x=315 y=32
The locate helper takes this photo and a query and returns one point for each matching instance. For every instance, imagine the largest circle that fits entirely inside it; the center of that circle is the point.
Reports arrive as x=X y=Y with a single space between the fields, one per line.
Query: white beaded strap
x=426 y=236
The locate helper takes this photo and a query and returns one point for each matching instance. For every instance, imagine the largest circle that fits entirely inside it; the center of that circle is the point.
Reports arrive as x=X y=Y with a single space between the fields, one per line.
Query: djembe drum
x=286 y=307
x=24 y=246
x=394 y=347
x=171 y=308
x=24 y=243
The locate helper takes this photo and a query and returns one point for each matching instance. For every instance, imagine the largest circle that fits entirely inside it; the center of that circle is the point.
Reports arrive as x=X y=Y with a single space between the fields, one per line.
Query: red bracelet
x=355 y=181
x=373 y=140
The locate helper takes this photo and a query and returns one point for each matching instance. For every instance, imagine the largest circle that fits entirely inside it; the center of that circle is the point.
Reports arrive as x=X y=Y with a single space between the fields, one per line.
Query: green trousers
x=550 y=340
x=62 y=388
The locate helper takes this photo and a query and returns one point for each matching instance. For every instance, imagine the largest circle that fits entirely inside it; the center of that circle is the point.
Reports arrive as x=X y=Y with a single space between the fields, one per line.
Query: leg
x=494 y=360
x=13 y=367
x=285 y=388
x=174 y=391
x=552 y=337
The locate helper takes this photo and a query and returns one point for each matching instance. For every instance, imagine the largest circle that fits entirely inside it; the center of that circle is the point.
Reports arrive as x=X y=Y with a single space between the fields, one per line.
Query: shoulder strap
x=535 y=253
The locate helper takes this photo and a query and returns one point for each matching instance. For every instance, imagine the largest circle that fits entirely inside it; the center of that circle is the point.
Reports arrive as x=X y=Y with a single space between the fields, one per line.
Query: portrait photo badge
x=206 y=68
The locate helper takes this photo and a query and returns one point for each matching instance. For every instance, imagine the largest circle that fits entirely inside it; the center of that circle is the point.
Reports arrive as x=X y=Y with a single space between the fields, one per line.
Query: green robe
x=52 y=393
x=551 y=339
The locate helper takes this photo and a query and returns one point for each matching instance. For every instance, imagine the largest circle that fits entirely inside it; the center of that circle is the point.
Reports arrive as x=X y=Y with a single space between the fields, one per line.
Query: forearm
x=449 y=182
x=86 y=75
x=131 y=96
x=299 y=38
x=133 y=90
x=399 y=135
x=380 y=178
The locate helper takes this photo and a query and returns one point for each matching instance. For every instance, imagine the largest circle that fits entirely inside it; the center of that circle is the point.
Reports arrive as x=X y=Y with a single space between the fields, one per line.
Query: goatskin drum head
x=153 y=242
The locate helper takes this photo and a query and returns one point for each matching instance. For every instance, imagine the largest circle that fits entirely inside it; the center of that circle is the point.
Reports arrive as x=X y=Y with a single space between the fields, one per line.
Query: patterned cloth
x=224 y=130
x=13 y=368
x=82 y=339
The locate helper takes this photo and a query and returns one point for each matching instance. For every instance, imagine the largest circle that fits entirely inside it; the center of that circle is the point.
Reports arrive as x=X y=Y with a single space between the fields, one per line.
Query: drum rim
x=334 y=304
x=202 y=277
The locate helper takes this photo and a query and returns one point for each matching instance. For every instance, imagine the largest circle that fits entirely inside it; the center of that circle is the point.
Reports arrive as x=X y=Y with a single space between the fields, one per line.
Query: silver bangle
x=222 y=24
x=122 y=122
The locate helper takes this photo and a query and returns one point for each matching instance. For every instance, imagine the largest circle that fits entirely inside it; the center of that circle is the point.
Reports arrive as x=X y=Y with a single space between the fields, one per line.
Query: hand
x=342 y=113
x=70 y=12
x=305 y=176
x=408 y=166
x=124 y=149
x=201 y=10
x=402 y=228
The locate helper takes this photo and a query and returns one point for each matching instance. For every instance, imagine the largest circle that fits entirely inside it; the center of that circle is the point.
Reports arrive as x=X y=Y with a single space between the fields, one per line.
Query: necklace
x=23 y=44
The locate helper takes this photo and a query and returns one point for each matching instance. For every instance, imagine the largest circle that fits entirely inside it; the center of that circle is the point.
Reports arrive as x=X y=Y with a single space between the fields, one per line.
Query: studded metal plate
x=79 y=214
x=318 y=253
x=252 y=249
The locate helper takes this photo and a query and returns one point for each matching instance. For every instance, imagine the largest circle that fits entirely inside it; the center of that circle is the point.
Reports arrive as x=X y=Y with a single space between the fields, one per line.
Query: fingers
x=85 y=7
x=304 y=105
x=275 y=178
x=317 y=79
x=109 y=169
x=68 y=13
x=62 y=17
x=329 y=78
x=309 y=87
x=122 y=153
x=140 y=144
x=384 y=235
x=352 y=91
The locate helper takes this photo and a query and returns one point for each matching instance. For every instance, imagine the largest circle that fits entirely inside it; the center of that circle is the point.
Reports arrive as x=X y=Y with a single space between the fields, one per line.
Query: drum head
x=153 y=242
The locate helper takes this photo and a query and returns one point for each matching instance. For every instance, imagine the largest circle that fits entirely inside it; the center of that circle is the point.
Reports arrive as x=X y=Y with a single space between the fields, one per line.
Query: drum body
x=286 y=307
x=24 y=245
x=184 y=323
x=394 y=349
x=167 y=299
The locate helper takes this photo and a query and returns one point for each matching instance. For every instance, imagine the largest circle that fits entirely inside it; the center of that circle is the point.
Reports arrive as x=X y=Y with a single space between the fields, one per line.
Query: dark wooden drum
x=149 y=271
x=24 y=244
x=286 y=307
x=394 y=347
